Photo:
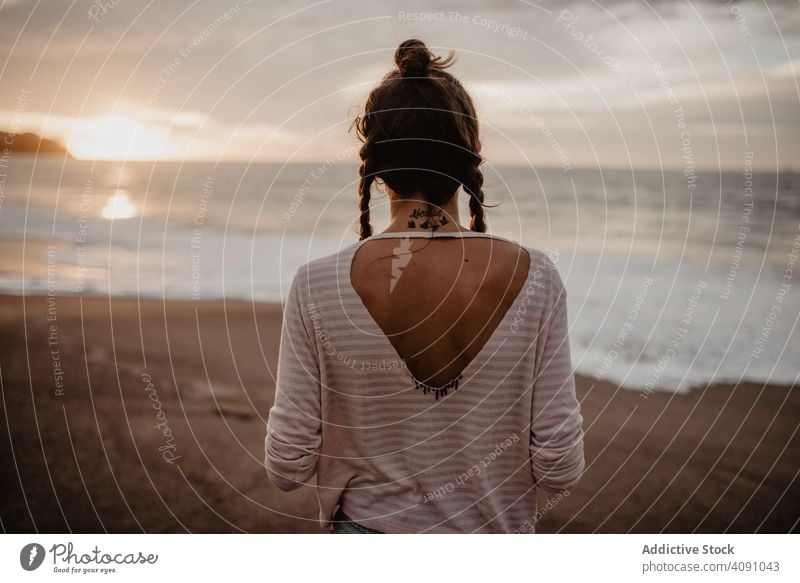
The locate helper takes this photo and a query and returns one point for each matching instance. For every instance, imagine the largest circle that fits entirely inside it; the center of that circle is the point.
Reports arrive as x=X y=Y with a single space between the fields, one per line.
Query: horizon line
x=705 y=169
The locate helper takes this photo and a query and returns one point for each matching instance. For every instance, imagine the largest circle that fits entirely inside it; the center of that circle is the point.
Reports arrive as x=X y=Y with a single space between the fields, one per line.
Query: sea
x=674 y=279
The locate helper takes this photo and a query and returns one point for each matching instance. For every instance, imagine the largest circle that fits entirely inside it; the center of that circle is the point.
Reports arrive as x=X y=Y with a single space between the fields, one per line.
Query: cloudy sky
x=653 y=84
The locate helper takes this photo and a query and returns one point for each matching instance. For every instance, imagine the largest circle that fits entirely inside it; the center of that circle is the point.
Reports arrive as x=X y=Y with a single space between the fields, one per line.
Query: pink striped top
x=403 y=460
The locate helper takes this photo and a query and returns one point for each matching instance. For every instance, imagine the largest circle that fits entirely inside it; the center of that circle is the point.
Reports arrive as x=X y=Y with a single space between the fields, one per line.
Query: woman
x=424 y=373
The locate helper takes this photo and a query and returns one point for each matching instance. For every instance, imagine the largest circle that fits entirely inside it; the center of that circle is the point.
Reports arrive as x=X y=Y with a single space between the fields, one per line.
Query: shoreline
x=195 y=378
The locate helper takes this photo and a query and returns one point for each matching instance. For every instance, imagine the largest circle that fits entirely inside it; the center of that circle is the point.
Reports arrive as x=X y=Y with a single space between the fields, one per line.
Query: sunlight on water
x=119 y=206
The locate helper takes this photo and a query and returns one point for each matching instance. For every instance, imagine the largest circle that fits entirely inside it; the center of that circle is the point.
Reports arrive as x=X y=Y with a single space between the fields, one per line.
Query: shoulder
x=544 y=279
x=543 y=270
x=545 y=273
x=324 y=272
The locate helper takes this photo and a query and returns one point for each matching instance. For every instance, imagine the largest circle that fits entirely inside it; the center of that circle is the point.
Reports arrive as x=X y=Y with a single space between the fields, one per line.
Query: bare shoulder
x=508 y=249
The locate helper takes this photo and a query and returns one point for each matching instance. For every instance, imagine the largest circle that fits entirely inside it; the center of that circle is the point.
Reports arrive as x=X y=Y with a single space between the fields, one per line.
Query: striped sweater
x=399 y=460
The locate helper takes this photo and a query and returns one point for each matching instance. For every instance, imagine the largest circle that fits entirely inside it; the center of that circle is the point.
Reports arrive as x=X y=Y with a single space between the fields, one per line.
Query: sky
x=669 y=84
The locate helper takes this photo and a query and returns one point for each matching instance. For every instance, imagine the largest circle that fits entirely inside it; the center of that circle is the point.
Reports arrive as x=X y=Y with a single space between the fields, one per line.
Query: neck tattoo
x=431 y=218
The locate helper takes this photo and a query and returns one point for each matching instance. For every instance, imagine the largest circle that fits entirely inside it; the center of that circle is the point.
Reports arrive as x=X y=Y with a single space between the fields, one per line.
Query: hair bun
x=412 y=58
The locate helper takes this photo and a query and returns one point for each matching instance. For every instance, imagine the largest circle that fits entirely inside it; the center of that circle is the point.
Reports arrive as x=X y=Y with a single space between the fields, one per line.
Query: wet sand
x=126 y=416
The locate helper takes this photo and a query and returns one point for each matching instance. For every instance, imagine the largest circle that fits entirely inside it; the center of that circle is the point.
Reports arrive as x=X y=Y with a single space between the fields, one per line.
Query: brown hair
x=420 y=135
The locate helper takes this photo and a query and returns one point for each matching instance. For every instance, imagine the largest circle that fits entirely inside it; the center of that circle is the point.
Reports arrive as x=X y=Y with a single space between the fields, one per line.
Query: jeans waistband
x=342 y=524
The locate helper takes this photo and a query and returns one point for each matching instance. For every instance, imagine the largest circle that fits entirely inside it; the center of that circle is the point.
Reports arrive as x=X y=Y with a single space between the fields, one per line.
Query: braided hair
x=364 y=186
x=419 y=133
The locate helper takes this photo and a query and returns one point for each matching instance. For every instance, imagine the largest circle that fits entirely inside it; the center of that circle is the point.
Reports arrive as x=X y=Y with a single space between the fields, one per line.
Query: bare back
x=438 y=300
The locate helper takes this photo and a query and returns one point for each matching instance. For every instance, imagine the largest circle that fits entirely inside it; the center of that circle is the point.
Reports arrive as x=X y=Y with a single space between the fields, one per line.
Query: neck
x=415 y=214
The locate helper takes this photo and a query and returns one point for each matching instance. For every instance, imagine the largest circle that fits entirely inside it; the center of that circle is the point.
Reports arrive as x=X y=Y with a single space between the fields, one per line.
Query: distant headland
x=29 y=143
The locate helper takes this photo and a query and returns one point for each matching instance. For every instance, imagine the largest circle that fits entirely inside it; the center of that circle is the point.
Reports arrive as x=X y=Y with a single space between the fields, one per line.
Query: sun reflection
x=119 y=177
x=119 y=206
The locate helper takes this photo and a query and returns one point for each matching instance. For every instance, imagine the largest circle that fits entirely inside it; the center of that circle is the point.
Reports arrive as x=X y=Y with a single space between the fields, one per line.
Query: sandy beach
x=149 y=416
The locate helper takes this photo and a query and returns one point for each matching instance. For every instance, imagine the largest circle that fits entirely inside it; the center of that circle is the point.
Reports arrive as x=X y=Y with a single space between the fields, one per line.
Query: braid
x=365 y=184
x=473 y=185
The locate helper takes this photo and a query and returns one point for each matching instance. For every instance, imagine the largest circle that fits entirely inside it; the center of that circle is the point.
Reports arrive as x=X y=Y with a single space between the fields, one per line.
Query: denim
x=343 y=525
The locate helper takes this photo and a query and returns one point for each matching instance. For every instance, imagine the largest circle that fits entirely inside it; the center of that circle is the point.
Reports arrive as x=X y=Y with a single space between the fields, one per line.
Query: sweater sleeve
x=294 y=424
x=556 y=443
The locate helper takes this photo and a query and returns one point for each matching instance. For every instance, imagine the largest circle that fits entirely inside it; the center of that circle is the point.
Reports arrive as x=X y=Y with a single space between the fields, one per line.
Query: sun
x=117 y=137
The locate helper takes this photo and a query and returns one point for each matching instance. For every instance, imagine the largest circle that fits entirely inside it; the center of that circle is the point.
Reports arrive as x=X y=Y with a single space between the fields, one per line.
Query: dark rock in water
x=28 y=143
